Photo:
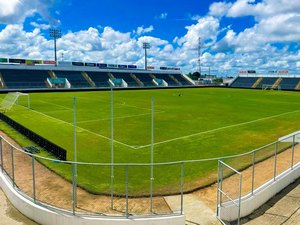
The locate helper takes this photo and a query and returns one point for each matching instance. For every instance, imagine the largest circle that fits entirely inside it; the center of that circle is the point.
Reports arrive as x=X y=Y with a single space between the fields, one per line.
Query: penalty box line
x=218 y=129
x=88 y=131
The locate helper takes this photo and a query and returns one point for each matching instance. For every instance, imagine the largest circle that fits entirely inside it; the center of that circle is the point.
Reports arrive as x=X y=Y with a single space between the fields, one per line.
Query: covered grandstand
x=267 y=81
x=22 y=76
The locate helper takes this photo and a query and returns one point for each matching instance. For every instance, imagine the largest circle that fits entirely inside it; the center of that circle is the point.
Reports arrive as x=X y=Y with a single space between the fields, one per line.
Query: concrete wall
x=261 y=195
x=45 y=216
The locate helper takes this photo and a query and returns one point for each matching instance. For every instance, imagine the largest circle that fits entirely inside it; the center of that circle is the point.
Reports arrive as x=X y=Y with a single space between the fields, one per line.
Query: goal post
x=12 y=98
x=270 y=87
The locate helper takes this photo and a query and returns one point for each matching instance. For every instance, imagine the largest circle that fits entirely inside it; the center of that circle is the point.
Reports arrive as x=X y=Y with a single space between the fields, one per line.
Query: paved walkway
x=196 y=212
x=11 y=216
x=284 y=208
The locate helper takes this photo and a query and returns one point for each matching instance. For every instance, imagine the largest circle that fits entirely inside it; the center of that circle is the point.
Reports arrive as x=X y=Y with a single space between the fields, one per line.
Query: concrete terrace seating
x=74 y=77
x=244 y=82
x=126 y=77
x=289 y=83
x=166 y=77
x=145 y=78
x=100 y=78
x=267 y=81
x=24 y=78
x=181 y=79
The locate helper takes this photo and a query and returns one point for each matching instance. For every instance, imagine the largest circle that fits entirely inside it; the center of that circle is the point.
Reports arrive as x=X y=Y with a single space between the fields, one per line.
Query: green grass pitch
x=189 y=124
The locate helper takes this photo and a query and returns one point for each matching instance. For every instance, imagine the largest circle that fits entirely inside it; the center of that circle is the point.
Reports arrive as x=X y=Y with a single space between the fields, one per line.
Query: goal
x=12 y=98
x=270 y=87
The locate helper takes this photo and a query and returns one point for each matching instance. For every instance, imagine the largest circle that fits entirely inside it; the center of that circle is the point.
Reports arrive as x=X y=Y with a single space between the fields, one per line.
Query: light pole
x=55 y=33
x=146 y=46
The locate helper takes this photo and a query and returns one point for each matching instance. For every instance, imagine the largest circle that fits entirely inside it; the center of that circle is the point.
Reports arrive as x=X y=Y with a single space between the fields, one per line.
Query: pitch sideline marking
x=217 y=129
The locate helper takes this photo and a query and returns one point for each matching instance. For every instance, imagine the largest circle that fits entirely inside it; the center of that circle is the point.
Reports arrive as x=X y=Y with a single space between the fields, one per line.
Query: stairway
x=140 y=83
x=275 y=85
x=298 y=86
x=176 y=81
x=88 y=79
x=257 y=82
x=111 y=76
x=2 y=83
x=52 y=74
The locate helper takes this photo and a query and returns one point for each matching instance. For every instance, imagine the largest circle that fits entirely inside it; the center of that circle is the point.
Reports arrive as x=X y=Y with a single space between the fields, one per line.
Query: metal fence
x=67 y=192
x=229 y=192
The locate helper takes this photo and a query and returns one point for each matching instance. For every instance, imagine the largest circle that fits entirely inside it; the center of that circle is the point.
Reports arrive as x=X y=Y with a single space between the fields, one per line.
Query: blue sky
x=236 y=34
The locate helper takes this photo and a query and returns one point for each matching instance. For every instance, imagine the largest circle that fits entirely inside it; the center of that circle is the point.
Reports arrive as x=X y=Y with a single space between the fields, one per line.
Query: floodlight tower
x=146 y=46
x=199 y=55
x=55 y=33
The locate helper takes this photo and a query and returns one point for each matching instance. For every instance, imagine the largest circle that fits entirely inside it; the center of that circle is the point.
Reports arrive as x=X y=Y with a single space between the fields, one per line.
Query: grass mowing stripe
x=119 y=117
x=83 y=129
x=50 y=103
x=220 y=128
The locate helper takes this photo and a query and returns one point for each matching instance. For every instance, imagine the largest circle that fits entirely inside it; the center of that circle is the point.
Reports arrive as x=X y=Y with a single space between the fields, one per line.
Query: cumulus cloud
x=40 y=26
x=16 y=11
x=162 y=16
x=224 y=48
x=219 y=9
x=142 y=30
x=207 y=28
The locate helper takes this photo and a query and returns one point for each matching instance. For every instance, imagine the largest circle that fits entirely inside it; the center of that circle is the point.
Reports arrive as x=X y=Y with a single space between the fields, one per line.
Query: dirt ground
x=54 y=190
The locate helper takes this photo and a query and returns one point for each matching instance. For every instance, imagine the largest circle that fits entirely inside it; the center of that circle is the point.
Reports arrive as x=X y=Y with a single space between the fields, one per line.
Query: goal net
x=12 y=98
x=270 y=87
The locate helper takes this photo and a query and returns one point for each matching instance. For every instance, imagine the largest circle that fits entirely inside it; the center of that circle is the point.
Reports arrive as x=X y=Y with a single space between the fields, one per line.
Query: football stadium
x=112 y=142
x=149 y=113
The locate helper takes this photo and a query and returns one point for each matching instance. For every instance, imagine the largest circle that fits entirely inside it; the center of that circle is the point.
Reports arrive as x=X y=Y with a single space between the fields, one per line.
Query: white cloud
x=251 y=48
x=219 y=9
x=40 y=26
x=207 y=28
x=16 y=11
x=142 y=30
x=162 y=16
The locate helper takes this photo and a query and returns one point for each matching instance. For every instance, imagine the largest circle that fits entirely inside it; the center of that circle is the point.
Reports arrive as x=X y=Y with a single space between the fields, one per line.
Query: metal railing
x=30 y=176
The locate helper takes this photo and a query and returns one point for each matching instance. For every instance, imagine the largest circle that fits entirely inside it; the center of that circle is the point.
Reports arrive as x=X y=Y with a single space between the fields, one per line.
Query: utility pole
x=55 y=34
x=146 y=46
x=199 y=55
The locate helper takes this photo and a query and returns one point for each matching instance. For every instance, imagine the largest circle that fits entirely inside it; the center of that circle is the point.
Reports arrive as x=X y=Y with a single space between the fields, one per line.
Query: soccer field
x=189 y=124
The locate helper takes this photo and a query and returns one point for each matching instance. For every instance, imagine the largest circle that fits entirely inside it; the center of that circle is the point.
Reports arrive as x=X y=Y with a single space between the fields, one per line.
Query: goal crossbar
x=12 y=98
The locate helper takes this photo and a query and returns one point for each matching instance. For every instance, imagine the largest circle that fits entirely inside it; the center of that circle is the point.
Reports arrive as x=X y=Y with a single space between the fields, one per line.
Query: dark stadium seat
x=99 y=78
x=15 y=78
x=289 y=83
x=145 y=78
x=267 y=81
x=166 y=78
x=126 y=77
x=244 y=82
x=74 y=77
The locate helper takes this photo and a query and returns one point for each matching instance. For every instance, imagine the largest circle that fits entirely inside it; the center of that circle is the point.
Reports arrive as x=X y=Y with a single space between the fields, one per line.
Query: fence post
x=240 y=199
x=1 y=154
x=74 y=185
x=127 y=214
x=181 y=187
x=293 y=151
x=275 y=160
x=33 y=179
x=12 y=165
x=253 y=173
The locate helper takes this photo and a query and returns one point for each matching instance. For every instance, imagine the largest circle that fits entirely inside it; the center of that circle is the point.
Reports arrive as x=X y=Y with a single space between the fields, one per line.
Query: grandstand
x=22 y=76
x=267 y=81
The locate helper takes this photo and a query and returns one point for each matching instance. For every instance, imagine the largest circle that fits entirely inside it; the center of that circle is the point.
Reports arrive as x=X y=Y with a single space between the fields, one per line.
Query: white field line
x=119 y=117
x=50 y=103
x=62 y=110
x=218 y=129
x=91 y=132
